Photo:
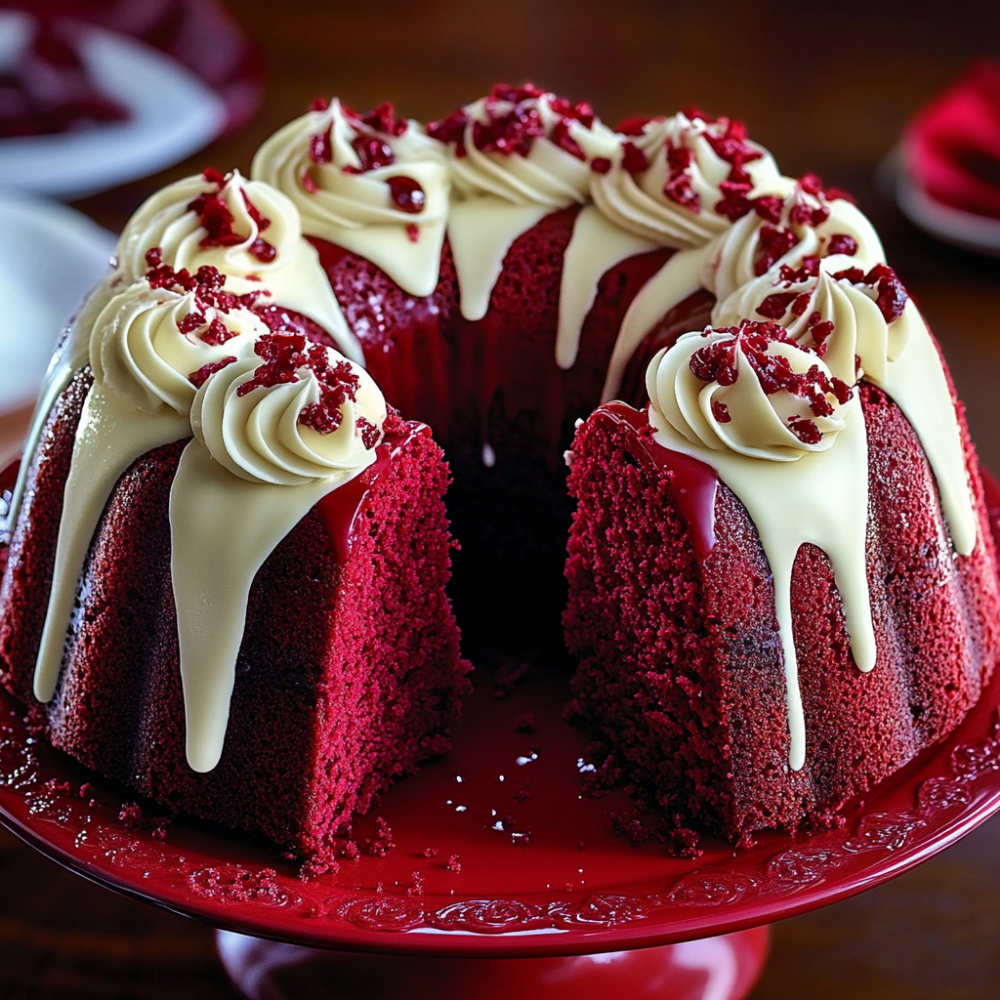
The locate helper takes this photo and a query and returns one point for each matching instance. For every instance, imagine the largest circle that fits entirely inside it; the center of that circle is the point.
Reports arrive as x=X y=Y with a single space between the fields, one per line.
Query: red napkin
x=951 y=149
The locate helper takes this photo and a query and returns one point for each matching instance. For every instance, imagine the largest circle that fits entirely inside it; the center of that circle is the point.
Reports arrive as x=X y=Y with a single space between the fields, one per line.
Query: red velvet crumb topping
x=773 y=243
x=721 y=412
x=890 y=295
x=513 y=123
x=634 y=160
x=283 y=355
x=205 y=372
x=842 y=243
x=217 y=219
x=407 y=194
x=717 y=362
x=207 y=284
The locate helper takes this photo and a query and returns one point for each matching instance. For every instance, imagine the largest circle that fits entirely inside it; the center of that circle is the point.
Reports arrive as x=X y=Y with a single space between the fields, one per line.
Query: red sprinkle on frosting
x=284 y=355
x=205 y=372
x=407 y=194
x=217 y=220
x=717 y=362
x=513 y=123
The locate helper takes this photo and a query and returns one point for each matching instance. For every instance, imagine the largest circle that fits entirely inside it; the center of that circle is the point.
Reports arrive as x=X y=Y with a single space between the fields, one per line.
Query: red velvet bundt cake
x=498 y=273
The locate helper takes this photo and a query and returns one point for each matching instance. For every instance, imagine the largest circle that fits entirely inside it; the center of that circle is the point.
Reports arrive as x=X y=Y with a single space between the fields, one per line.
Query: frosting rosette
x=243 y=228
x=524 y=146
x=857 y=321
x=373 y=184
x=680 y=181
x=748 y=389
x=290 y=413
x=799 y=219
x=151 y=343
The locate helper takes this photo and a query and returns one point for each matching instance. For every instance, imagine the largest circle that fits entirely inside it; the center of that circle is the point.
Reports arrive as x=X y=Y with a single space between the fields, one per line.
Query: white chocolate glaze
x=481 y=231
x=112 y=434
x=680 y=277
x=596 y=246
x=214 y=559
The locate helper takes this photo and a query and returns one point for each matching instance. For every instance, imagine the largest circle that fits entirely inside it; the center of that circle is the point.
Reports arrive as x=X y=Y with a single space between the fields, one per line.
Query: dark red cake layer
x=681 y=678
x=496 y=382
x=349 y=673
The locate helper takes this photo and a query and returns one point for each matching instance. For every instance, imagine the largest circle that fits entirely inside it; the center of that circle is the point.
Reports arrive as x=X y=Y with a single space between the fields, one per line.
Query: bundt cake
x=499 y=273
x=783 y=584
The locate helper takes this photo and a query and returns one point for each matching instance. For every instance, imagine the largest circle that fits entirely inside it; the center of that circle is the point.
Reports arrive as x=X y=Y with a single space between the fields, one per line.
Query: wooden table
x=828 y=90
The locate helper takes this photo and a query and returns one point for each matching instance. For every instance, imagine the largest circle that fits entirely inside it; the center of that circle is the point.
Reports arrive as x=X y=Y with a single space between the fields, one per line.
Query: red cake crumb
x=382 y=843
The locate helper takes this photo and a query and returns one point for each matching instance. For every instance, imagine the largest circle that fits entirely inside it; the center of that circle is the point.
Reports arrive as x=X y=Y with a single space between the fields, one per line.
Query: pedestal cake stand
x=489 y=873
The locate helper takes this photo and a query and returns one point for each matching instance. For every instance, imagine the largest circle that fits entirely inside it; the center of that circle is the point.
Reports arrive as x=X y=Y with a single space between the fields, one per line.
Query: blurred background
x=827 y=88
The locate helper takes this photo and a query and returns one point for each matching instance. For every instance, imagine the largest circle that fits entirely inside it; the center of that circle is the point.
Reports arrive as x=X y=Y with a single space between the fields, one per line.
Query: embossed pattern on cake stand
x=496 y=855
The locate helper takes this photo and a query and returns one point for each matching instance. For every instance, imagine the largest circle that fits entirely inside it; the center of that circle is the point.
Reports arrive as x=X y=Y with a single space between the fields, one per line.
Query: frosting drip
x=851 y=318
x=821 y=499
x=514 y=157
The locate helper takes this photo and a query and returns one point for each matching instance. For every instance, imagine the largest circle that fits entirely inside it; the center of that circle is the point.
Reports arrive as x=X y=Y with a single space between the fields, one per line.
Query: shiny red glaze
x=694 y=483
x=553 y=868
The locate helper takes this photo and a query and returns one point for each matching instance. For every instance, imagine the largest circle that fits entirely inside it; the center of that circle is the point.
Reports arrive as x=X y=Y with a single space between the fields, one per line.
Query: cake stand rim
x=806 y=863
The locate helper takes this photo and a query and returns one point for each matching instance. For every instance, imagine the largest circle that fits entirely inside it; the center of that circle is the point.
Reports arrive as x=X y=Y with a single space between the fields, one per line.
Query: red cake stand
x=492 y=854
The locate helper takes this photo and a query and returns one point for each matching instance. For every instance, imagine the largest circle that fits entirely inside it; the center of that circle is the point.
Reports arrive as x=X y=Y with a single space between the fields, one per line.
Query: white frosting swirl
x=356 y=208
x=739 y=417
x=737 y=255
x=331 y=199
x=138 y=352
x=166 y=221
x=258 y=437
x=858 y=327
x=548 y=175
x=639 y=203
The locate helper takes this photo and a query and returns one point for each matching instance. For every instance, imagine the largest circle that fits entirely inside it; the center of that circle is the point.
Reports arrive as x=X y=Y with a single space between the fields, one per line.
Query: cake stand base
x=715 y=968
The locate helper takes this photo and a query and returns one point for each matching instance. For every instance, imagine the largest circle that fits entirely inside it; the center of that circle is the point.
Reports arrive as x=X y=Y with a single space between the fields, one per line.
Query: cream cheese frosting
x=370 y=184
x=667 y=181
x=249 y=231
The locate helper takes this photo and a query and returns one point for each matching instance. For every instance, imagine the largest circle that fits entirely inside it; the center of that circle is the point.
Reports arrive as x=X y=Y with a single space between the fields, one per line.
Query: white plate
x=173 y=114
x=50 y=257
